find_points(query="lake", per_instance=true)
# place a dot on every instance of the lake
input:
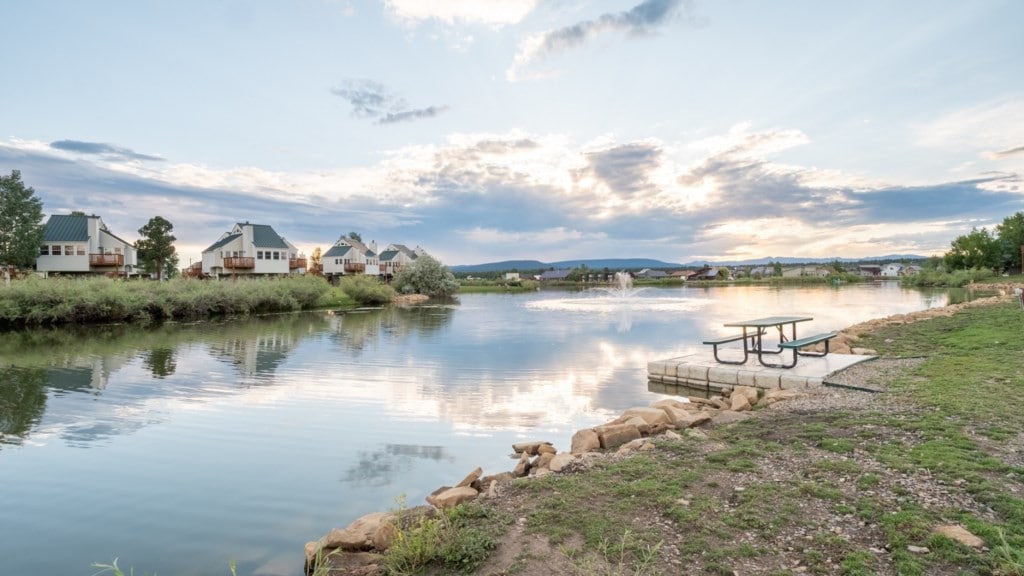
(184, 447)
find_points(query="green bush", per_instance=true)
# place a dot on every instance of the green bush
(366, 290)
(48, 301)
(428, 276)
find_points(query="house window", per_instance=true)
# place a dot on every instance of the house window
(56, 250)
(277, 255)
(259, 254)
(69, 250)
(80, 250)
(44, 250)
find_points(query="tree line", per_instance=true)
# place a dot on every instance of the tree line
(21, 231)
(999, 249)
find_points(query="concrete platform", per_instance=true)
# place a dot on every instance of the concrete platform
(701, 372)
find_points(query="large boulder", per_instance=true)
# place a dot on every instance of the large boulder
(451, 497)
(358, 535)
(650, 415)
(585, 440)
(615, 435)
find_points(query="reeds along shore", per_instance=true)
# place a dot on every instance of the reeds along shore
(56, 301)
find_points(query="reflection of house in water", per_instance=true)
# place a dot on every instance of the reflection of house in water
(256, 356)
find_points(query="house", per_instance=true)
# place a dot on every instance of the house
(892, 270)
(801, 271)
(513, 276)
(350, 256)
(869, 270)
(251, 250)
(80, 244)
(651, 274)
(397, 256)
(554, 274)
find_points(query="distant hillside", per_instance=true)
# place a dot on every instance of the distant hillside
(641, 263)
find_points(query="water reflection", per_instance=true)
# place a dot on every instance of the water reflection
(235, 434)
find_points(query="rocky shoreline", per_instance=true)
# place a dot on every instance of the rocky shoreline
(357, 549)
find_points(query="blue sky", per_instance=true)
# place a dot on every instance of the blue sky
(488, 130)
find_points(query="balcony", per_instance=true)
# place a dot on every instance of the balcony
(294, 263)
(355, 268)
(239, 262)
(106, 259)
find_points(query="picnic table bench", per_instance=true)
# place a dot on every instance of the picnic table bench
(756, 346)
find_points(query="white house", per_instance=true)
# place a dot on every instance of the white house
(395, 257)
(350, 256)
(252, 249)
(892, 270)
(80, 244)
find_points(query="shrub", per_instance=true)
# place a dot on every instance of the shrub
(426, 275)
(366, 290)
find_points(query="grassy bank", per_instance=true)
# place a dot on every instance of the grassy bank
(54, 301)
(854, 490)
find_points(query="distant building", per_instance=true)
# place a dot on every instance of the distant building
(554, 274)
(252, 250)
(350, 256)
(80, 244)
(397, 256)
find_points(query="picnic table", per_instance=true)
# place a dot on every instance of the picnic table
(752, 336)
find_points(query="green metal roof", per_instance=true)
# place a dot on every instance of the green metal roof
(263, 236)
(336, 251)
(388, 255)
(66, 228)
(222, 242)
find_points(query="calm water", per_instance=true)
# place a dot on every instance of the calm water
(182, 448)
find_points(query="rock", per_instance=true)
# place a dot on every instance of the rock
(615, 435)
(546, 448)
(348, 563)
(961, 535)
(864, 351)
(358, 535)
(452, 497)
(473, 477)
(641, 425)
(749, 391)
(672, 435)
(560, 461)
(528, 447)
(584, 441)
(499, 478)
(650, 416)
(523, 466)
(917, 549)
(728, 417)
(542, 461)
(634, 446)
(739, 403)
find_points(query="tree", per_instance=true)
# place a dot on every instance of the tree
(1011, 240)
(979, 249)
(777, 269)
(316, 256)
(21, 217)
(156, 247)
(426, 275)
(355, 236)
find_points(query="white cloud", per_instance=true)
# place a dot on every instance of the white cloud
(992, 127)
(551, 236)
(496, 13)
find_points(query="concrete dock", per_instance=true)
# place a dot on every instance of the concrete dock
(701, 372)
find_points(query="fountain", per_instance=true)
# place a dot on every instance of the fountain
(618, 297)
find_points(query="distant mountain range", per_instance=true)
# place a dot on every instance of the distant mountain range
(641, 263)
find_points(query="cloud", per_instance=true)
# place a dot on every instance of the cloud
(371, 99)
(101, 149)
(496, 13)
(640, 20)
(1010, 152)
(485, 197)
(408, 115)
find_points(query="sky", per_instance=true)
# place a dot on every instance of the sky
(490, 130)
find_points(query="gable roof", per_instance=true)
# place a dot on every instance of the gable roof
(264, 236)
(66, 228)
(336, 250)
(388, 255)
(222, 242)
